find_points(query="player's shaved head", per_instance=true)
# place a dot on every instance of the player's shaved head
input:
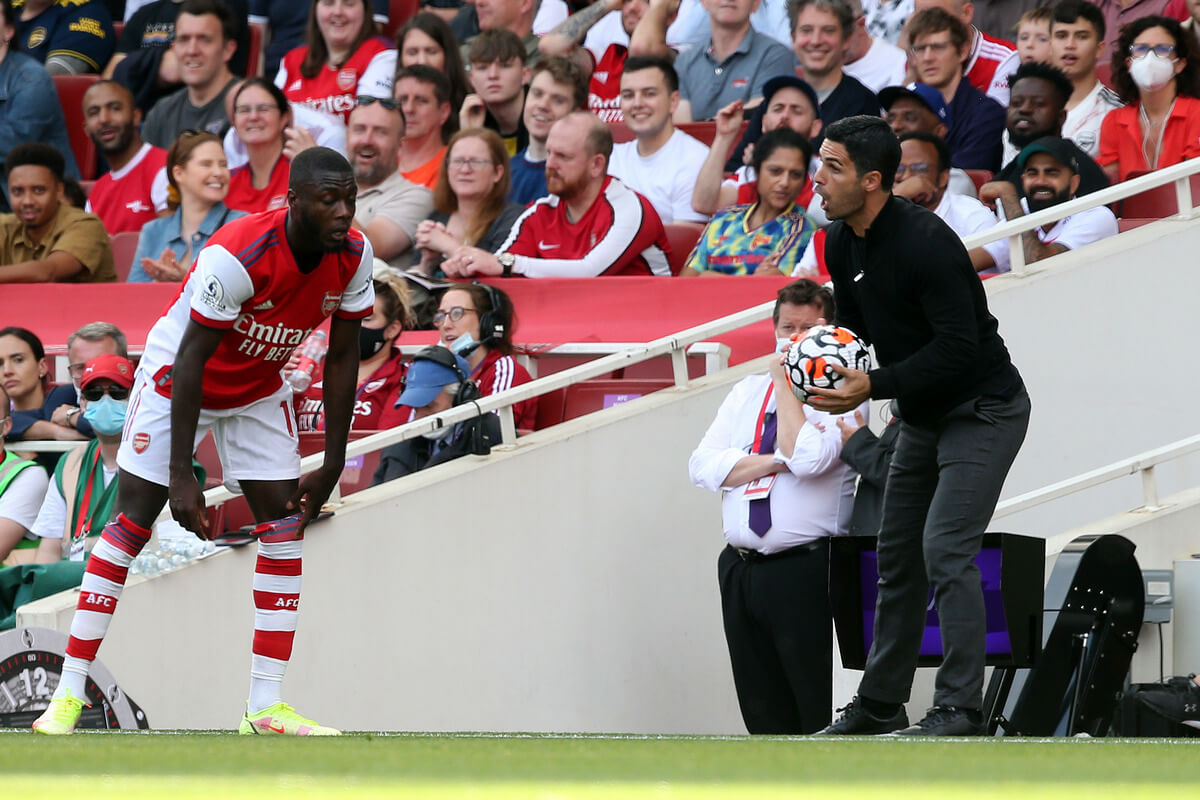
(316, 164)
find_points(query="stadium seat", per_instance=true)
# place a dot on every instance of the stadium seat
(550, 409)
(682, 236)
(1129, 223)
(979, 176)
(118, 27)
(1104, 72)
(1156, 203)
(595, 395)
(124, 245)
(620, 132)
(399, 12)
(70, 89)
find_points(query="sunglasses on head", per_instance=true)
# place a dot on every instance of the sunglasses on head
(386, 102)
(93, 393)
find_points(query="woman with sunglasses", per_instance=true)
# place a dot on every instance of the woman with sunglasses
(79, 500)
(33, 399)
(381, 366)
(261, 117)
(470, 199)
(1159, 126)
(477, 321)
(342, 58)
(198, 183)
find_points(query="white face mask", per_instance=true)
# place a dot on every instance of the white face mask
(1152, 72)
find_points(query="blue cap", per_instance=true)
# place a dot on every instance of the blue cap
(791, 81)
(923, 93)
(426, 378)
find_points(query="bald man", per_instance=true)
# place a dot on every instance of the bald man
(134, 190)
(591, 224)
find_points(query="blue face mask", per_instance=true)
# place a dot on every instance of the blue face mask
(106, 415)
(464, 345)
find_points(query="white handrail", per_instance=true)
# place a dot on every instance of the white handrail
(1179, 174)
(1143, 463)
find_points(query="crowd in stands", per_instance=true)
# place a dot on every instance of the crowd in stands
(553, 139)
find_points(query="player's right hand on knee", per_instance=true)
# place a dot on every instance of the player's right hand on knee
(187, 505)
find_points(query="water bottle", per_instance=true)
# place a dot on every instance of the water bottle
(312, 353)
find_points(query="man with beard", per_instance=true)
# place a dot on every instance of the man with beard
(904, 283)
(389, 206)
(1037, 107)
(591, 224)
(1049, 170)
(134, 189)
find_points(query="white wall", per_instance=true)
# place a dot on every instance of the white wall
(569, 584)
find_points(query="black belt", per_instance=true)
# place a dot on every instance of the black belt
(755, 557)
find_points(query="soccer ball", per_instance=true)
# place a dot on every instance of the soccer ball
(809, 361)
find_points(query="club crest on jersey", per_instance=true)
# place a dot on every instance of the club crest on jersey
(140, 442)
(330, 302)
(373, 386)
(347, 79)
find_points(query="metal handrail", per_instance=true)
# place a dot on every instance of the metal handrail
(1143, 463)
(1179, 174)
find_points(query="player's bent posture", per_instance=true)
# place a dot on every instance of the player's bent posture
(213, 361)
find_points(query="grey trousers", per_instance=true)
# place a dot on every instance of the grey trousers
(941, 492)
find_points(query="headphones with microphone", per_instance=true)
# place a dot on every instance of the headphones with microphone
(467, 390)
(492, 324)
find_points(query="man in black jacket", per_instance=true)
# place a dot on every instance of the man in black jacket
(904, 282)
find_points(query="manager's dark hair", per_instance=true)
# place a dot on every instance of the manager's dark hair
(938, 143)
(1048, 73)
(804, 292)
(36, 154)
(314, 163)
(780, 137)
(871, 145)
(663, 65)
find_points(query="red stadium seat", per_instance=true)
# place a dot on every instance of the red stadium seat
(595, 395)
(550, 409)
(1156, 203)
(1104, 72)
(118, 27)
(620, 132)
(682, 236)
(399, 12)
(1129, 223)
(254, 56)
(70, 89)
(124, 245)
(979, 176)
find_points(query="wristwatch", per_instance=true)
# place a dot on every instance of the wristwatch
(506, 261)
(71, 414)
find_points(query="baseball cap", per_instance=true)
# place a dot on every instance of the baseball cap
(426, 378)
(1056, 147)
(923, 93)
(117, 369)
(790, 81)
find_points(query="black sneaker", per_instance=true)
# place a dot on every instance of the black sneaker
(1178, 701)
(857, 721)
(946, 721)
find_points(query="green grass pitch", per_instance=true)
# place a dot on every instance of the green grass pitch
(180, 766)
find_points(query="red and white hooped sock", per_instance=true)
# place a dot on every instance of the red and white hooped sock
(99, 592)
(276, 610)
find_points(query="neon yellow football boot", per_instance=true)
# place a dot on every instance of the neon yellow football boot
(61, 716)
(282, 719)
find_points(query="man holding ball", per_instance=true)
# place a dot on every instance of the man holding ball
(904, 282)
(784, 492)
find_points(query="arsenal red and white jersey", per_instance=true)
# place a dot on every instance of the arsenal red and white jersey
(604, 89)
(497, 373)
(989, 64)
(621, 234)
(128, 198)
(369, 71)
(247, 283)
